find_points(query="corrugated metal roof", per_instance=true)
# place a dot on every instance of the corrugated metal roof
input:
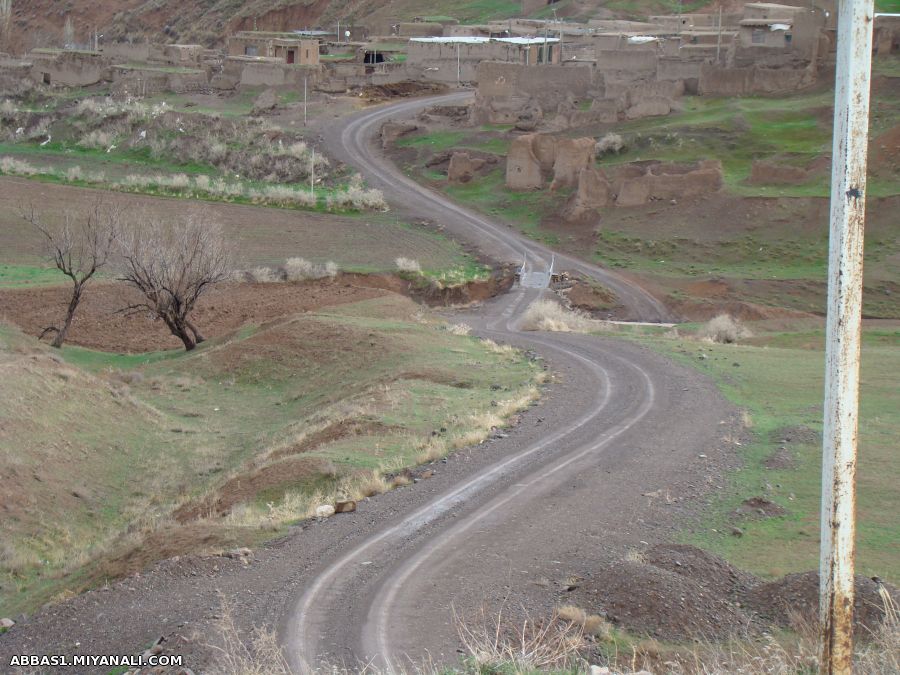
(476, 40)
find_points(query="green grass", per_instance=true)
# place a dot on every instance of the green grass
(28, 276)
(521, 209)
(887, 6)
(436, 141)
(780, 382)
(188, 422)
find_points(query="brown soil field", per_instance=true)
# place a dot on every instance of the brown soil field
(261, 236)
(99, 325)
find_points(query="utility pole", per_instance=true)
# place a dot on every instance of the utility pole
(845, 279)
(312, 172)
(719, 36)
(458, 67)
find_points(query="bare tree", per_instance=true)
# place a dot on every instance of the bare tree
(6, 12)
(172, 265)
(78, 249)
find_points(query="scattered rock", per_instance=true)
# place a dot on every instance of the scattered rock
(757, 507)
(345, 507)
(324, 511)
(7, 623)
(265, 102)
(239, 553)
(428, 473)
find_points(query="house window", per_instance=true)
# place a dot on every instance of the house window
(46, 78)
(759, 36)
(787, 38)
(251, 50)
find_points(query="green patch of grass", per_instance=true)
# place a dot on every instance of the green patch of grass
(437, 141)
(781, 386)
(887, 6)
(26, 276)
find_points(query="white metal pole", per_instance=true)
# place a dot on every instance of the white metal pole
(312, 172)
(845, 279)
(305, 101)
(719, 37)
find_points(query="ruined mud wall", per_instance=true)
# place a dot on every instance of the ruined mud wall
(718, 81)
(504, 89)
(70, 69)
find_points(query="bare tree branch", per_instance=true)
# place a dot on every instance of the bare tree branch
(78, 249)
(172, 265)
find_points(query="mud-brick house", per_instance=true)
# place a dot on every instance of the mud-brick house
(288, 48)
(452, 59)
(68, 67)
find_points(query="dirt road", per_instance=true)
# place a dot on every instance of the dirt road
(575, 488)
(351, 141)
(617, 456)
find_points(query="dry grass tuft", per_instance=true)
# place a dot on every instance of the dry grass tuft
(500, 645)
(263, 656)
(551, 316)
(408, 265)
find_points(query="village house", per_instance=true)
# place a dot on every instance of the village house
(288, 48)
(456, 59)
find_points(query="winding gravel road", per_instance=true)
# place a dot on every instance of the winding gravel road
(505, 524)
(625, 424)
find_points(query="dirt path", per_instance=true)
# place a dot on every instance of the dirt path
(576, 489)
(502, 523)
(351, 141)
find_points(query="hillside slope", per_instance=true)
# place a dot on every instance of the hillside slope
(41, 22)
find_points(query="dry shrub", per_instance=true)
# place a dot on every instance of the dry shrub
(408, 265)
(551, 316)
(10, 165)
(497, 644)
(367, 485)
(265, 275)
(263, 656)
(459, 329)
(724, 329)
(73, 173)
(609, 143)
(300, 269)
(97, 139)
(356, 198)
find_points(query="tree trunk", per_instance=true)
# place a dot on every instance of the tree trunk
(70, 315)
(180, 330)
(198, 337)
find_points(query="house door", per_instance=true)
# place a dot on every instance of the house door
(291, 54)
